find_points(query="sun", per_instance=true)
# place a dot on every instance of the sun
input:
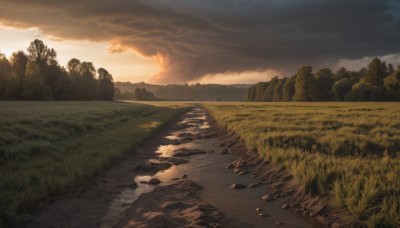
(7, 52)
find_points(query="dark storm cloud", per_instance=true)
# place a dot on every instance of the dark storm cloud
(194, 38)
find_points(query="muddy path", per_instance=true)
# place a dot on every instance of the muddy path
(181, 177)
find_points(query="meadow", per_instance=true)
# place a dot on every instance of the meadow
(49, 148)
(347, 151)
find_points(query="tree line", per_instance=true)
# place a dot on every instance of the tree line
(193, 92)
(37, 75)
(376, 82)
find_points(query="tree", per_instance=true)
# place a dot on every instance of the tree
(305, 87)
(142, 94)
(342, 88)
(35, 88)
(288, 89)
(251, 94)
(5, 73)
(278, 90)
(269, 91)
(89, 85)
(38, 52)
(106, 85)
(376, 72)
(341, 73)
(390, 69)
(324, 79)
(19, 60)
(393, 81)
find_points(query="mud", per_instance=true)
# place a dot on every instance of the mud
(190, 186)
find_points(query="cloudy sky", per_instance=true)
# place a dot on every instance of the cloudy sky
(223, 41)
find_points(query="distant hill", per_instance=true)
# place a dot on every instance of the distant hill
(185, 92)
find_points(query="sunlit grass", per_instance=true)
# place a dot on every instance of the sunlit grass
(348, 151)
(47, 148)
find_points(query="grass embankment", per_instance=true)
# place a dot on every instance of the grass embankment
(348, 151)
(47, 148)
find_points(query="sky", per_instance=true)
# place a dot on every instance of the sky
(207, 41)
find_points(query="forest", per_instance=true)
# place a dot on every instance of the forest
(376, 82)
(193, 92)
(37, 75)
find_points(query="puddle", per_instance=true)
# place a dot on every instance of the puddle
(209, 170)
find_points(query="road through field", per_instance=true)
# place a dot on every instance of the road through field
(179, 178)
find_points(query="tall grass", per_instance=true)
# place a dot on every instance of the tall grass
(348, 151)
(47, 148)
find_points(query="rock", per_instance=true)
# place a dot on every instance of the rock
(209, 135)
(224, 151)
(154, 181)
(267, 198)
(254, 185)
(237, 186)
(175, 161)
(258, 209)
(174, 205)
(237, 171)
(279, 223)
(184, 134)
(161, 165)
(263, 214)
(243, 173)
(134, 185)
(230, 166)
(285, 206)
(183, 152)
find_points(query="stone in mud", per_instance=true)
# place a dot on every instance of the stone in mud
(279, 223)
(258, 209)
(184, 134)
(152, 181)
(157, 219)
(175, 161)
(237, 186)
(174, 205)
(230, 166)
(263, 214)
(209, 135)
(254, 185)
(285, 206)
(224, 151)
(183, 152)
(267, 198)
(134, 185)
(161, 165)
(243, 172)
(237, 171)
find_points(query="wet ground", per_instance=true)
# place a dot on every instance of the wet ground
(209, 170)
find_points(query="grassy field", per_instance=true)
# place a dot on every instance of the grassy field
(47, 148)
(349, 151)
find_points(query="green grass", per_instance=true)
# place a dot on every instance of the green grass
(347, 151)
(47, 148)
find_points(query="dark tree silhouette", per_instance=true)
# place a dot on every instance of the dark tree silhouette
(106, 85)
